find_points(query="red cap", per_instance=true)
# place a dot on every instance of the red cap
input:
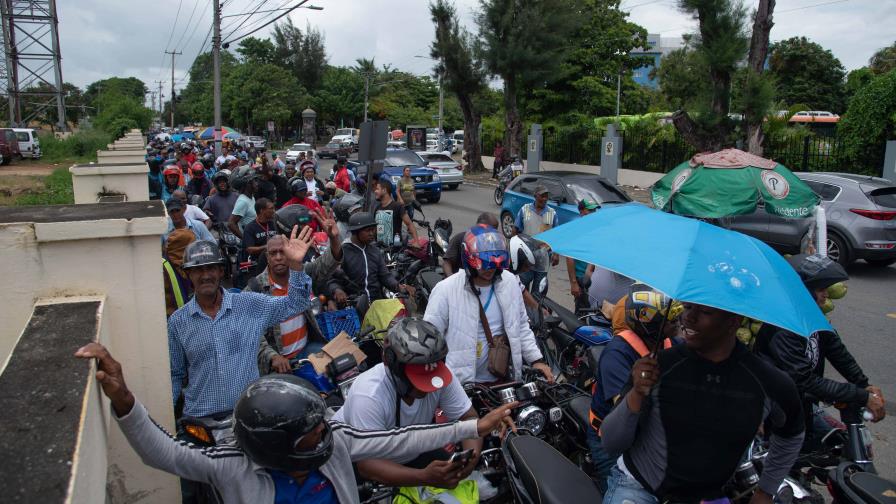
(428, 377)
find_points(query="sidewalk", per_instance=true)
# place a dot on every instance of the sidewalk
(485, 179)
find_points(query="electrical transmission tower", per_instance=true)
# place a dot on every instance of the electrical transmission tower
(32, 62)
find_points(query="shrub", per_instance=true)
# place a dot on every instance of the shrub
(57, 190)
(81, 146)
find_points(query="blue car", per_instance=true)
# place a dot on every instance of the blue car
(427, 183)
(565, 190)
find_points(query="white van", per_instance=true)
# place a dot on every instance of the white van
(29, 145)
(458, 137)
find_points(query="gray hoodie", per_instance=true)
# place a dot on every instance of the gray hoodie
(239, 480)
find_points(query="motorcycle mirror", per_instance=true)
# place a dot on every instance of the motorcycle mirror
(543, 287)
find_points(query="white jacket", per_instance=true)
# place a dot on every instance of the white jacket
(454, 309)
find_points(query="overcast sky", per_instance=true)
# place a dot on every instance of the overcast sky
(104, 38)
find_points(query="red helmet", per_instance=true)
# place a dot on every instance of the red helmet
(484, 249)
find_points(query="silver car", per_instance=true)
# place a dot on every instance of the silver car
(861, 217)
(449, 170)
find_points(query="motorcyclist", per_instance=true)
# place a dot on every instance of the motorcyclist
(171, 181)
(407, 388)
(344, 208)
(298, 187)
(484, 293)
(803, 359)
(286, 451)
(645, 310)
(199, 185)
(219, 205)
(363, 271)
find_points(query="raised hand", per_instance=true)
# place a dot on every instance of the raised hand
(299, 244)
(110, 376)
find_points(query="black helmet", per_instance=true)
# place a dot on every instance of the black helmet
(222, 174)
(272, 416)
(202, 253)
(817, 271)
(240, 182)
(361, 220)
(292, 215)
(346, 206)
(644, 311)
(414, 351)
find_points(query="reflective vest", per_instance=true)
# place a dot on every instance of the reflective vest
(638, 346)
(177, 283)
(534, 223)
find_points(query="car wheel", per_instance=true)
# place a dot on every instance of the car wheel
(507, 224)
(453, 187)
(880, 263)
(434, 198)
(838, 250)
(499, 195)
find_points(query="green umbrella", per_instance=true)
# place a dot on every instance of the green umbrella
(731, 182)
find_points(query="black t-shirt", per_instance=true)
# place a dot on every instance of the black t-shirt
(256, 235)
(455, 251)
(266, 189)
(388, 222)
(282, 190)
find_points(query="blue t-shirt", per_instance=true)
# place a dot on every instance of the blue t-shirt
(245, 210)
(316, 489)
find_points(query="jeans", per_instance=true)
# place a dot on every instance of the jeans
(623, 489)
(601, 460)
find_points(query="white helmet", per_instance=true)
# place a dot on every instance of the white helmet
(520, 253)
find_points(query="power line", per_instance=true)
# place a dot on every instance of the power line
(187, 27)
(170, 36)
(245, 17)
(811, 6)
(642, 4)
(301, 3)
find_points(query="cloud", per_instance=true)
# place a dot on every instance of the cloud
(101, 38)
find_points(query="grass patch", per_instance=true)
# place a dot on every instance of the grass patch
(80, 147)
(54, 189)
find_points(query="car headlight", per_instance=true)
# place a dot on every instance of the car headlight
(533, 419)
(436, 178)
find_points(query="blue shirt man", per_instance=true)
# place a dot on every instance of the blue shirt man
(177, 220)
(213, 339)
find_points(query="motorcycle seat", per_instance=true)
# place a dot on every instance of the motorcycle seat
(430, 279)
(580, 408)
(568, 318)
(548, 476)
(873, 488)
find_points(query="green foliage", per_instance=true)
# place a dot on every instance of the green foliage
(257, 51)
(302, 54)
(871, 118)
(49, 116)
(196, 99)
(131, 87)
(255, 94)
(57, 191)
(340, 99)
(120, 113)
(856, 80)
(883, 60)
(683, 79)
(807, 73)
(80, 146)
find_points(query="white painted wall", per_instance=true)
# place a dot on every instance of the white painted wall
(135, 156)
(118, 259)
(90, 179)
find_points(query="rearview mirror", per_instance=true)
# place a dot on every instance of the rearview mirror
(543, 287)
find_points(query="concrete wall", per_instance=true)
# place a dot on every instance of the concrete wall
(634, 178)
(116, 258)
(130, 179)
(121, 156)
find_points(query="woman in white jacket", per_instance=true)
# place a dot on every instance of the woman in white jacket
(453, 307)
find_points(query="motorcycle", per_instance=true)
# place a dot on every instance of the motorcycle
(425, 272)
(505, 177)
(527, 465)
(230, 248)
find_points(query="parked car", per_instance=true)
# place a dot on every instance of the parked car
(29, 145)
(565, 189)
(427, 181)
(450, 171)
(334, 150)
(397, 144)
(861, 219)
(255, 141)
(292, 154)
(346, 136)
(9, 145)
(432, 145)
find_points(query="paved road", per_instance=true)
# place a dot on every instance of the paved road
(866, 317)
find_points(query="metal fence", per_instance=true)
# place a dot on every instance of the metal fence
(822, 153)
(648, 153)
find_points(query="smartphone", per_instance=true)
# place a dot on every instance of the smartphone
(462, 456)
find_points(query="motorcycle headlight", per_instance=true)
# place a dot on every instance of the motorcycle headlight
(533, 419)
(440, 241)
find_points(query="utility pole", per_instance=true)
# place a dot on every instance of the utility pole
(173, 54)
(152, 97)
(216, 63)
(366, 89)
(160, 99)
(441, 104)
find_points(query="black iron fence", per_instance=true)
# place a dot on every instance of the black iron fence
(660, 153)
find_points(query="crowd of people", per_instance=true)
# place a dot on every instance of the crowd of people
(667, 426)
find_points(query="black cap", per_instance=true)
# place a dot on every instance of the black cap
(174, 204)
(361, 220)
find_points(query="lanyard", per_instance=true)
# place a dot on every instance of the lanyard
(489, 300)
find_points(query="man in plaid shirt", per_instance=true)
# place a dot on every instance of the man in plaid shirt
(213, 339)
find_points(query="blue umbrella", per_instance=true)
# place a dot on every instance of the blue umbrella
(692, 261)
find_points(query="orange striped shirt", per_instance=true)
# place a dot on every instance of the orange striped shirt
(293, 331)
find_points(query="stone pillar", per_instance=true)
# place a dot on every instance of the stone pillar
(534, 149)
(309, 118)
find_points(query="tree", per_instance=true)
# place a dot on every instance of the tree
(720, 45)
(856, 80)
(257, 51)
(682, 77)
(524, 43)
(255, 94)
(196, 98)
(462, 73)
(126, 86)
(120, 113)
(601, 49)
(807, 73)
(49, 115)
(883, 60)
(303, 54)
(758, 93)
(340, 98)
(870, 120)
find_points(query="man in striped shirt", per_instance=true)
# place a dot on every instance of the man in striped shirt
(299, 335)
